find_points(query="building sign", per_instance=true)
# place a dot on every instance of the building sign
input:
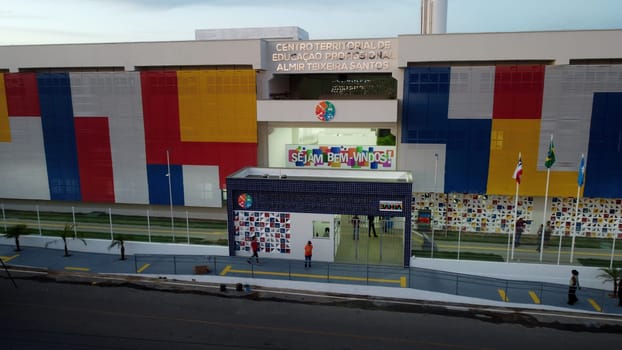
(341, 157)
(391, 206)
(338, 56)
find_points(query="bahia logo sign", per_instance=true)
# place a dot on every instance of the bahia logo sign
(245, 200)
(325, 111)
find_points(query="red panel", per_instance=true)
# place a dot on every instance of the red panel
(22, 94)
(94, 159)
(161, 118)
(518, 92)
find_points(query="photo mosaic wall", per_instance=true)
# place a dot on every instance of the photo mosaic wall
(598, 217)
(273, 231)
(474, 213)
(479, 213)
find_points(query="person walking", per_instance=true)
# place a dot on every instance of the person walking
(520, 228)
(371, 226)
(255, 250)
(308, 254)
(572, 287)
(546, 231)
(356, 224)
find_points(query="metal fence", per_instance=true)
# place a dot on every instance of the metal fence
(536, 293)
(107, 223)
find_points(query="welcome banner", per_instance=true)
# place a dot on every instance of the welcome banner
(341, 157)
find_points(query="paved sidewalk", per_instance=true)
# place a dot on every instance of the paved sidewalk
(444, 286)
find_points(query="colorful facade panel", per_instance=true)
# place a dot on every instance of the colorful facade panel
(604, 159)
(22, 94)
(117, 96)
(471, 92)
(511, 137)
(425, 120)
(95, 162)
(162, 131)
(59, 136)
(5, 130)
(518, 92)
(24, 170)
(104, 137)
(201, 186)
(530, 103)
(217, 106)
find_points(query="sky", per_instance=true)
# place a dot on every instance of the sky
(98, 21)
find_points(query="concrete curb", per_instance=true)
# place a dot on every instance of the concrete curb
(557, 318)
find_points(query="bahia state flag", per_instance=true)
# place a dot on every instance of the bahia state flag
(518, 172)
(581, 177)
(550, 157)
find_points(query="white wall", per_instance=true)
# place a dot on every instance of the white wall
(516, 271)
(101, 246)
(419, 159)
(302, 228)
(130, 55)
(346, 111)
(558, 46)
(277, 139)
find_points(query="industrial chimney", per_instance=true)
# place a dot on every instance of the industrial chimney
(433, 16)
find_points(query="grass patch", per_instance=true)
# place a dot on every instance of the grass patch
(135, 237)
(463, 255)
(599, 262)
(526, 239)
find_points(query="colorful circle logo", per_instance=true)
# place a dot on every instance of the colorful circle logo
(245, 200)
(325, 111)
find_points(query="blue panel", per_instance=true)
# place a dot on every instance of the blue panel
(426, 104)
(158, 184)
(59, 136)
(467, 156)
(604, 162)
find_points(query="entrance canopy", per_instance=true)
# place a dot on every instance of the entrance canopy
(322, 191)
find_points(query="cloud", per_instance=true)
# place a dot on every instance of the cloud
(353, 5)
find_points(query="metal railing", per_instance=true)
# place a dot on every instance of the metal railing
(495, 289)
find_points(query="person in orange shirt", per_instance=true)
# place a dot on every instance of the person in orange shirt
(308, 254)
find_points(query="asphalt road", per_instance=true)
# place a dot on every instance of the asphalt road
(47, 315)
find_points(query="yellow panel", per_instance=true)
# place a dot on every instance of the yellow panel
(508, 138)
(217, 106)
(5, 129)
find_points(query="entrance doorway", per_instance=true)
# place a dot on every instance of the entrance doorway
(384, 248)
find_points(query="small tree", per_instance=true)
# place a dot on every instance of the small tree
(15, 232)
(66, 233)
(611, 274)
(119, 241)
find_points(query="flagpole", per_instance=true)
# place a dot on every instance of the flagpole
(517, 174)
(544, 226)
(576, 222)
(515, 219)
(580, 179)
(546, 198)
(613, 250)
(559, 250)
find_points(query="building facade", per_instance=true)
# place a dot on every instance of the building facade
(166, 122)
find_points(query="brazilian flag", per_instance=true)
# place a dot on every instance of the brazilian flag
(550, 157)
